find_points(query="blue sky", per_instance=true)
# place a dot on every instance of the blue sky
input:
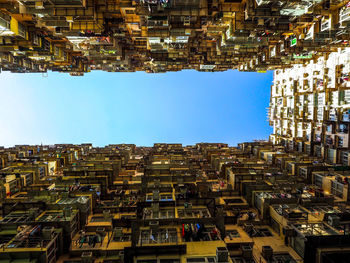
(103, 108)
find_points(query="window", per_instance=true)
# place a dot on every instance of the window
(337, 189)
(318, 180)
(329, 128)
(265, 232)
(275, 226)
(163, 260)
(283, 258)
(325, 24)
(343, 128)
(332, 155)
(193, 213)
(169, 261)
(168, 235)
(41, 172)
(308, 148)
(129, 11)
(303, 172)
(162, 213)
(310, 33)
(121, 237)
(21, 30)
(201, 259)
(46, 44)
(196, 260)
(35, 39)
(166, 197)
(298, 244)
(340, 141)
(232, 234)
(344, 14)
(318, 151)
(4, 24)
(344, 158)
(56, 51)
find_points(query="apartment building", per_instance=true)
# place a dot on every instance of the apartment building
(156, 36)
(258, 202)
(309, 107)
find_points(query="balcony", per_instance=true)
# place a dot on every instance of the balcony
(151, 213)
(158, 236)
(193, 213)
(344, 13)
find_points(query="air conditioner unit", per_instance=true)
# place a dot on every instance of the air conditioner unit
(69, 19)
(22, 9)
(221, 254)
(267, 252)
(247, 251)
(106, 214)
(39, 5)
(118, 231)
(187, 21)
(334, 220)
(67, 212)
(47, 232)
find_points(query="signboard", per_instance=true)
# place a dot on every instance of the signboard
(310, 33)
(207, 66)
(304, 56)
(293, 42)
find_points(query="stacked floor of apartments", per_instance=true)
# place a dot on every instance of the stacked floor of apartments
(285, 200)
(310, 107)
(258, 202)
(78, 36)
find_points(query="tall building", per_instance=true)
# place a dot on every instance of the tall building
(282, 200)
(258, 202)
(78, 36)
(310, 106)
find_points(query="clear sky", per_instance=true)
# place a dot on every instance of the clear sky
(104, 108)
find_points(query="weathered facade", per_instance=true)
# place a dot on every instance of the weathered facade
(170, 203)
(78, 36)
